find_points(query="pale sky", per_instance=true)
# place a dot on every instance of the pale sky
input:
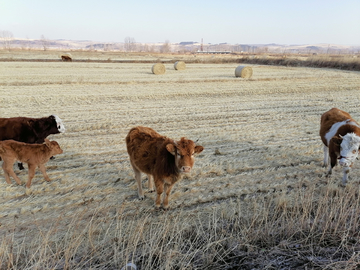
(232, 21)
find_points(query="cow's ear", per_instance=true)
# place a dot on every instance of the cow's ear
(48, 143)
(336, 140)
(171, 148)
(198, 149)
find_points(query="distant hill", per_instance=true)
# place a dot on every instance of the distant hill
(190, 46)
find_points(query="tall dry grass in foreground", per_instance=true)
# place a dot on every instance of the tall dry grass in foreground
(317, 227)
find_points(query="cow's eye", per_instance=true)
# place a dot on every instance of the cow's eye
(354, 151)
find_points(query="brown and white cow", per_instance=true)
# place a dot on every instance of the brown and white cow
(341, 137)
(35, 155)
(161, 158)
(30, 130)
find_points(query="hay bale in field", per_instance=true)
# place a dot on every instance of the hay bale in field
(158, 69)
(179, 65)
(66, 57)
(243, 72)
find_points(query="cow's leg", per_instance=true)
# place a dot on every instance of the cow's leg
(333, 162)
(8, 169)
(326, 156)
(159, 184)
(346, 171)
(329, 172)
(31, 174)
(43, 170)
(138, 180)
(150, 183)
(6, 172)
(20, 166)
(167, 195)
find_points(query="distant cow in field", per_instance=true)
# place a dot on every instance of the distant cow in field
(66, 58)
(341, 137)
(35, 155)
(161, 158)
(30, 130)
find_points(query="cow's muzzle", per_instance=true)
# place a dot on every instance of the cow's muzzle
(185, 169)
(344, 161)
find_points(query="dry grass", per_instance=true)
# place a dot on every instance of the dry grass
(337, 61)
(318, 61)
(257, 197)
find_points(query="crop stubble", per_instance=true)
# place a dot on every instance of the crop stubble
(260, 135)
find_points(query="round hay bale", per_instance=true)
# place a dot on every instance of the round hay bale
(243, 72)
(179, 65)
(158, 69)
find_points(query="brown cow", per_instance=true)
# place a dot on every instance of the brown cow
(66, 58)
(341, 137)
(161, 158)
(30, 130)
(35, 155)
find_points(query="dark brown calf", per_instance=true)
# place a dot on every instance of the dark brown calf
(161, 158)
(35, 155)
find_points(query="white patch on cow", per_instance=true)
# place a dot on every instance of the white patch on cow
(349, 149)
(59, 124)
(334, 128)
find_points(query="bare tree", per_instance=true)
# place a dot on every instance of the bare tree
(44, 42)
(129, 44)
(7, 38)
(165, 48)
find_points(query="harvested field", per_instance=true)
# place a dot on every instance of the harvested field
(262, 153)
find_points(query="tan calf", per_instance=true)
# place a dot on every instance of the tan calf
(161, 158)
(35, 155)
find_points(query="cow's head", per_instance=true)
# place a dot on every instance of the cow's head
(349, 148)
(59, 124)
(184, 152)
(54, 147)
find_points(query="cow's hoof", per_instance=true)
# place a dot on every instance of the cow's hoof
(21, 167)
(141, 198)
(151, 190)
(342, 184)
